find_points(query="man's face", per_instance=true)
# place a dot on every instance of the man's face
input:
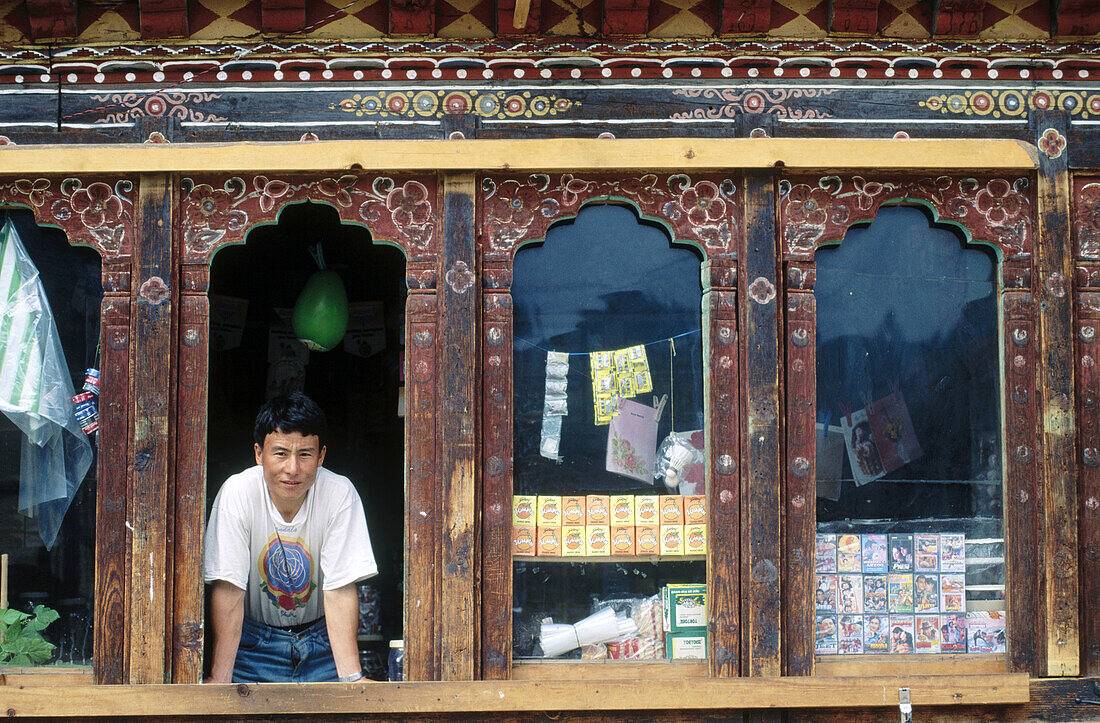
(290, 463)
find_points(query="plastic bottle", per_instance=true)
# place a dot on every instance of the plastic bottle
(396, 663)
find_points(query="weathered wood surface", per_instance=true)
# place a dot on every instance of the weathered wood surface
(1060, 641)
(458, 393)
(702, 694)
(761, 496)
(150, 383)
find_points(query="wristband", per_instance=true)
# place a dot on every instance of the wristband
(358, 675)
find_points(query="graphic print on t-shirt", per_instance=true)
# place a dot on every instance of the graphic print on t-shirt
(286, 572)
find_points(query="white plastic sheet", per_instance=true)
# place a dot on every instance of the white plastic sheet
(36, 392)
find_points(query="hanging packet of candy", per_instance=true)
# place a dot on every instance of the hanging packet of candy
(616, 375)
(555, 404)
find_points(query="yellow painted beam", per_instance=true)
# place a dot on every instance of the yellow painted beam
(547, 155)
(510, 696)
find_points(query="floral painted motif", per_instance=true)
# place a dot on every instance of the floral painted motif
(1013, 103)
(214, 214)
(171, 103)
(496, 105)
(1087, 219)
(521, 208)
(626, 458)
(97, 213)
(1052, 143)
(780, 102)
(818, 210)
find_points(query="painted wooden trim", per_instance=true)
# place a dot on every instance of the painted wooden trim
(513, 696)
(544, 155)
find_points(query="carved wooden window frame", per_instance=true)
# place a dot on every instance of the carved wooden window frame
(995, 210)
(703, 210)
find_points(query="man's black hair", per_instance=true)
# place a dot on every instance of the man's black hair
(287, 413)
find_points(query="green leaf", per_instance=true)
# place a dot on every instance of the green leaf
(43, 616)
(10, 616)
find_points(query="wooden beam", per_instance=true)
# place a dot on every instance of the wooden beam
(545, 155)
(412, 17)
(163, 19)
(853, 17)
(957, 17)
(458, 441)
(152, 302)
(282, 16)
(52, 19)
(702, 694)
(1074, 17)
(744, 16)
(625, 17)
(1056, 396)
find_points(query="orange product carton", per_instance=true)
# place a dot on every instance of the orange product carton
(598, 510)
(672, 510)
(524, 509)
(574, 510)
(598, 539)
(622, 509)
(695, 509)
(672, 539)
(647, 540)
(549, 511)
(695, 539)
(549, 542)
(622, 539)
(523, 541)
(573, 541)
(646, 510)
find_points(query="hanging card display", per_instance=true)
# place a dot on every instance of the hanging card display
(632, 441)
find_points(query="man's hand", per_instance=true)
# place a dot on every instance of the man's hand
(342, 621)
(227, 617)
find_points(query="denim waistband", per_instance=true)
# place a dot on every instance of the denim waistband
(290, 630)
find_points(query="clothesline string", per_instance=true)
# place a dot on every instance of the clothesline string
(586, 353)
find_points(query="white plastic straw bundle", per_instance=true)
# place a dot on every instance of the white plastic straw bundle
(599, 627)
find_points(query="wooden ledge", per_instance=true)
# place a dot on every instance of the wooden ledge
(509, 696)
(545, 155)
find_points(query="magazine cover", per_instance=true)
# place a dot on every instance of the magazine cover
(876, 634)
(874, 593)
(851, 594)
(953, 633)
(848, 556)
(900, 593)
(825, 637)
(901, 553)
(825, 593)
(863, 453)
(825, 553)
(901, 634)
(928, 633)
(892, 430)
(874, 553)
(926, 593)
(952, 552)
(985, 632)
(953, 593)
(850, 640)
(927, 552)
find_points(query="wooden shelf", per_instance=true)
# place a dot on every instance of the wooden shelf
(613, 558)
(916, 663)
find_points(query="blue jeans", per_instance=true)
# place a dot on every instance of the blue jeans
(271, 655)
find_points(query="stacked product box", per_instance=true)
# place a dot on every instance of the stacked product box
(609, 525)
(684, 609)
(897, 593)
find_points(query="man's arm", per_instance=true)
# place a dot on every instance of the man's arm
(227, 613)
(342, 621)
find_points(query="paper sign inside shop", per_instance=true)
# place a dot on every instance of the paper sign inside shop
(632, 441)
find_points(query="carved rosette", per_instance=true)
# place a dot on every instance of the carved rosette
(216, 211)
(95, 212)
(704, 210)
(1086, 221)
(816, 210)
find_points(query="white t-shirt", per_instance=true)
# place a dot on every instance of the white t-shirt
(276, 562)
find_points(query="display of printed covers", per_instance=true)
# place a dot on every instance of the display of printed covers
(926, 593)
(953, 632)
(953, 593)
(825, 634)
(848, 557)
(901, 634)
(874, 553)
(874, 593)
(825, 553)
(901, 553)
(616, 375)
(900, 593)
(952, 552)
(863, 453)
(928, 633)
(851, 594)
(927, 548)
(985, 632)
(555, 404)
(876, 634)
(850, 635)
(825, 593)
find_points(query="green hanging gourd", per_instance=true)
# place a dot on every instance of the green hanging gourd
(321, 313)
